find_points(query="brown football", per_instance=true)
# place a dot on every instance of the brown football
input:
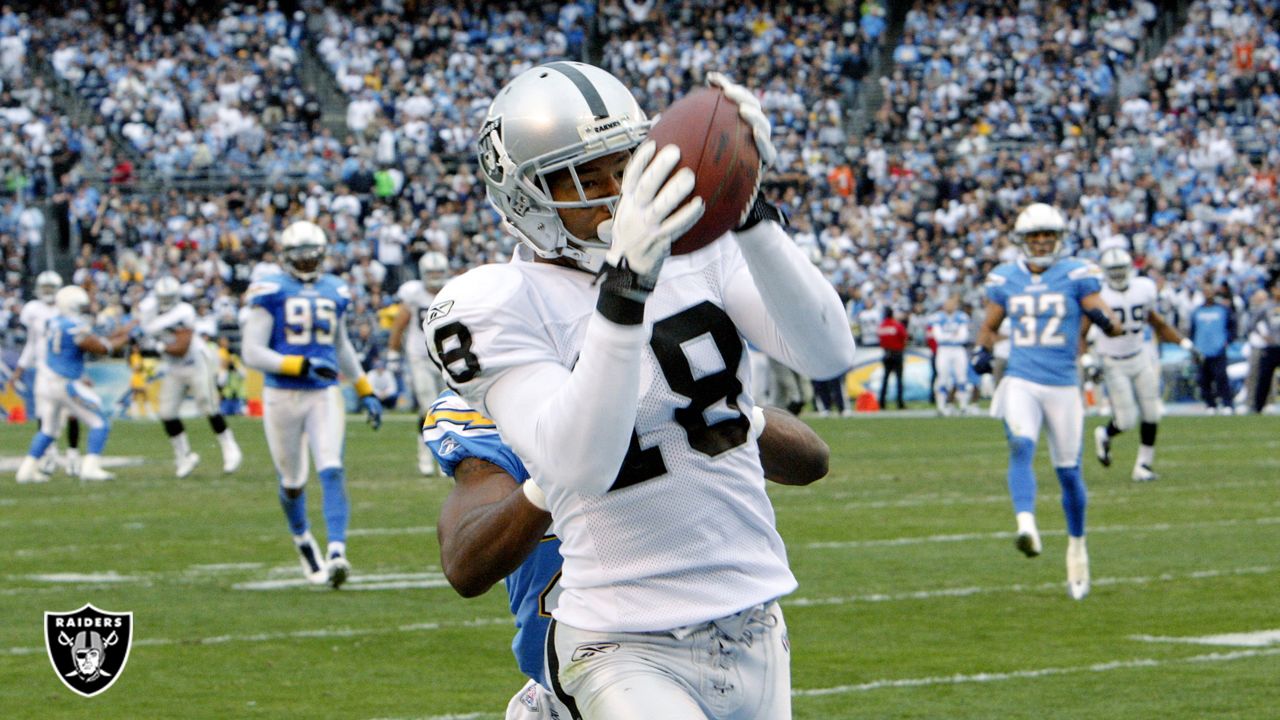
(717, 145)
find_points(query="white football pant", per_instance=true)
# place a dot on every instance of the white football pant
(57, 398)
(735, 668)
(953, 368)
(1134, 389)
(1025, 406)
(181, 378)
(294, 419)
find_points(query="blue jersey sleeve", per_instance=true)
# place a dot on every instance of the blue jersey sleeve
(1086, 279)
(455, 432)
(996, 288)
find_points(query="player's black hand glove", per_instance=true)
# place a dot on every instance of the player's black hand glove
(982, 361)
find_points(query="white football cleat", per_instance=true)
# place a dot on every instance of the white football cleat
(29, 471)
(1144, 473)
(71, 462)
(50, 462)
(313, 566)
(426, 461)
(1102, 445)
(339, 568)
(91, 470)
(1028, 540)
(1077, 568)
(231, 458)
(188, 464)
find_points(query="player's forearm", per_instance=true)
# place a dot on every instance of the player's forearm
(489, 542)
(575, 426)
(349, 363)
(27, 358)
(805, 308)
(256, 353)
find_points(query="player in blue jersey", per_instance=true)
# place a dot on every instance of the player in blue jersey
(1044, 295)
(492, 525)
(950, 329)
(296, 335)
(60, 392)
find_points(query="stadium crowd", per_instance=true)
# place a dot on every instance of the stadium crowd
(1170, 151)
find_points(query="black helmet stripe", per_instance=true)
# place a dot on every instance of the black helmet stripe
(589, 92)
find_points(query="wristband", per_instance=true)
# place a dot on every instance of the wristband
(1186, 344)
(761, 210)
(363, 386)
(534, 494)
(757, 421)
(1100, 319)
(293, 365)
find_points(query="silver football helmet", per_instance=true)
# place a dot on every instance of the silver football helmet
(47, 284)
(433, 269)
(302, 249)
(1039, 218)
(166, 291)
(1117, 265)
(554, 117)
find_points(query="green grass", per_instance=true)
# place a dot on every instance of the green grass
(913, 602)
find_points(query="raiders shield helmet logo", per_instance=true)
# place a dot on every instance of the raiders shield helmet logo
(88, 647)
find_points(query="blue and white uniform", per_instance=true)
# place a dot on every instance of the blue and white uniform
(1040, 385)
(951, 333)
(455, 432)
(289, 321)
(60, 392)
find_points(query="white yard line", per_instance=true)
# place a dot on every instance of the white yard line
(962, 678)
(1259, 638)
(963, 537)
(298, 634)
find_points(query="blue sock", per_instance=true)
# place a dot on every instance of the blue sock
(98, 439)
(295, 510)
(1022, 478)
(39, 444)
(334, 482)
(1074, 498)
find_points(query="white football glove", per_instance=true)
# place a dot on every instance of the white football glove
(647, 220)
(750, 111)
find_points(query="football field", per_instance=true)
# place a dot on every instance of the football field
(913, 602)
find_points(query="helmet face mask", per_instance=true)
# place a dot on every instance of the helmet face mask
(47, 284)
(550, 119)
(303, 250)
(1117, 265)
(1038, 233)
(166, 292)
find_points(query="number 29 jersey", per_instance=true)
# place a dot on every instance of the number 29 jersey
(305, 319)
(1044, 316)
(686, 533)
(1132, 306)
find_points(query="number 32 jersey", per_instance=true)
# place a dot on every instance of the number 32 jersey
(305, 319)
(1044, 316)
(686, 533)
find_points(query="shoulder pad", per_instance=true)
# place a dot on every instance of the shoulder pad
(1084, 270)
(262, 289)
(408, 290)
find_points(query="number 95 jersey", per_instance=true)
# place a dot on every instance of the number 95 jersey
(305, 319)
(687, 516)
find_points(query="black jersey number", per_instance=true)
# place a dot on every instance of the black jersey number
(453, 346)
(671, 336)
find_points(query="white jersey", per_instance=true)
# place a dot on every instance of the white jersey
(1132, 307)
(950, 329)
(686, 533)
(34, 317)
(163, 326)
(417, 299)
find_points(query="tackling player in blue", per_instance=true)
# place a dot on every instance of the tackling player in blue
(493, 524)
(295, 333)
(1044, 295)
(60, 392)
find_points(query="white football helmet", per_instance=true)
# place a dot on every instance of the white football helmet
(433, 269)
(47, 284)
(302, 250)
(1117, 265)
(554, 117)
(71, 301)
(1038, 218)
(166, 291)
